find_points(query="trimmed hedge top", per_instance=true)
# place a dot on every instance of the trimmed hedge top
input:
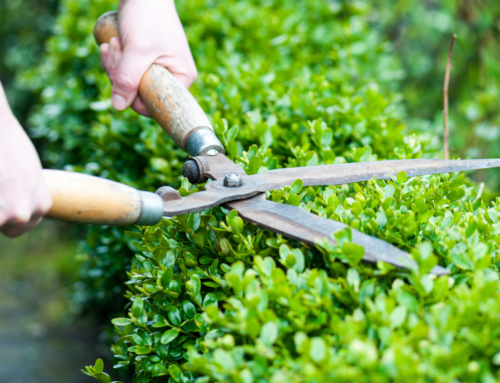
(212, 298)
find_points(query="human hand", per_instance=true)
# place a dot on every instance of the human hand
(24, 196)
(150, 32)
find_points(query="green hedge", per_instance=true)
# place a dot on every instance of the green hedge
(213, 298)
(24, 27)
(421, 31)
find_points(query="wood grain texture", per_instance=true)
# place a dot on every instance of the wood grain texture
(171, 105)
(86, 199)
(168, 101)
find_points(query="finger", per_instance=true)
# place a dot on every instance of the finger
(19, 214)
(44, 199)
(117, 52)
(140, 107)
(186, 79)
(110, 59)
(183, 68)
(13, 230)
(132, 67)
(103, 50)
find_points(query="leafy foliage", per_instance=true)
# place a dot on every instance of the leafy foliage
(210, 297)
(421, 32)
(248, 101)
(24, 26)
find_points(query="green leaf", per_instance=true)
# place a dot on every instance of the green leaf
(299, 263)
(318, 349)
(175, 372)
(169, 335)
(269, 333)
(99, 365)
(137, 307)
(142, 350)
(254, 165)
(194, 221)
(353, 279)
(209, 300)
(402, 178)
(166, 278)
(237, 225)
(327, 137)
(141, 337)
(232, 148)
(294, 199)
(120, 321)
(223, 359)
(159, 321)
(174, 316)
(232, 133)
(296, 187)
(398, 316)
(195, 280)
(189, 308)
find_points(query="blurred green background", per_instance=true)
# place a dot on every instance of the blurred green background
(43, 316)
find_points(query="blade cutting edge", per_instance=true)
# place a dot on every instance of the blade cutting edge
(295, 223)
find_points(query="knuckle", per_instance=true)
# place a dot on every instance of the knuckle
(125, 82)
(44, 206)
(193, 75)
(190, 75)
(19, 218)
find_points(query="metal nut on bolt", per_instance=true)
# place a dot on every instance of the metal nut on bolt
(233, 180)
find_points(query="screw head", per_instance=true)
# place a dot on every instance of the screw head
(232, 180)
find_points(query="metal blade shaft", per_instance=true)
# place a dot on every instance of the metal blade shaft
(363, 171)
(295, 223)
(216, 193)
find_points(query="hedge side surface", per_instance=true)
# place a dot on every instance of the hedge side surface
(214, 299)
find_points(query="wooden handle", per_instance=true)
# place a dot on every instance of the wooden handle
(168, 101)
(92, 200)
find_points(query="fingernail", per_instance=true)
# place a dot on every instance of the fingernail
(119, 103)
(111, 48)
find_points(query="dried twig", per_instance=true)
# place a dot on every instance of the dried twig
(445, 91)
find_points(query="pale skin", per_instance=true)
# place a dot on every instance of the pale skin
(24, 196)
(151, 32)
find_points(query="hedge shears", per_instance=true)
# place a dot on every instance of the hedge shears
(93, 200)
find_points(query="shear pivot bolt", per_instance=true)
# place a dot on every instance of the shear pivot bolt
(232, 180)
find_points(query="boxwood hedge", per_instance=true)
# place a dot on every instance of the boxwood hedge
(211, 298)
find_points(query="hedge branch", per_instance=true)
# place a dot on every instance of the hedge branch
(445, 91)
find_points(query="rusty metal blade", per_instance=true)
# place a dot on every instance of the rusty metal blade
(216, 193)
(207, 199)
(295, 223)
(363, 171)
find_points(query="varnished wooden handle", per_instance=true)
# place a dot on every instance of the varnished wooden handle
(86, 199)
(168, 101)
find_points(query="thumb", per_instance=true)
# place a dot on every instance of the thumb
(129, 73)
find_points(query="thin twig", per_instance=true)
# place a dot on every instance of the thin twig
(445, 91)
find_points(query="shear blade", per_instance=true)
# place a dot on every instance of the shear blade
(295, 223)
(216, 193)
(364, 171)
